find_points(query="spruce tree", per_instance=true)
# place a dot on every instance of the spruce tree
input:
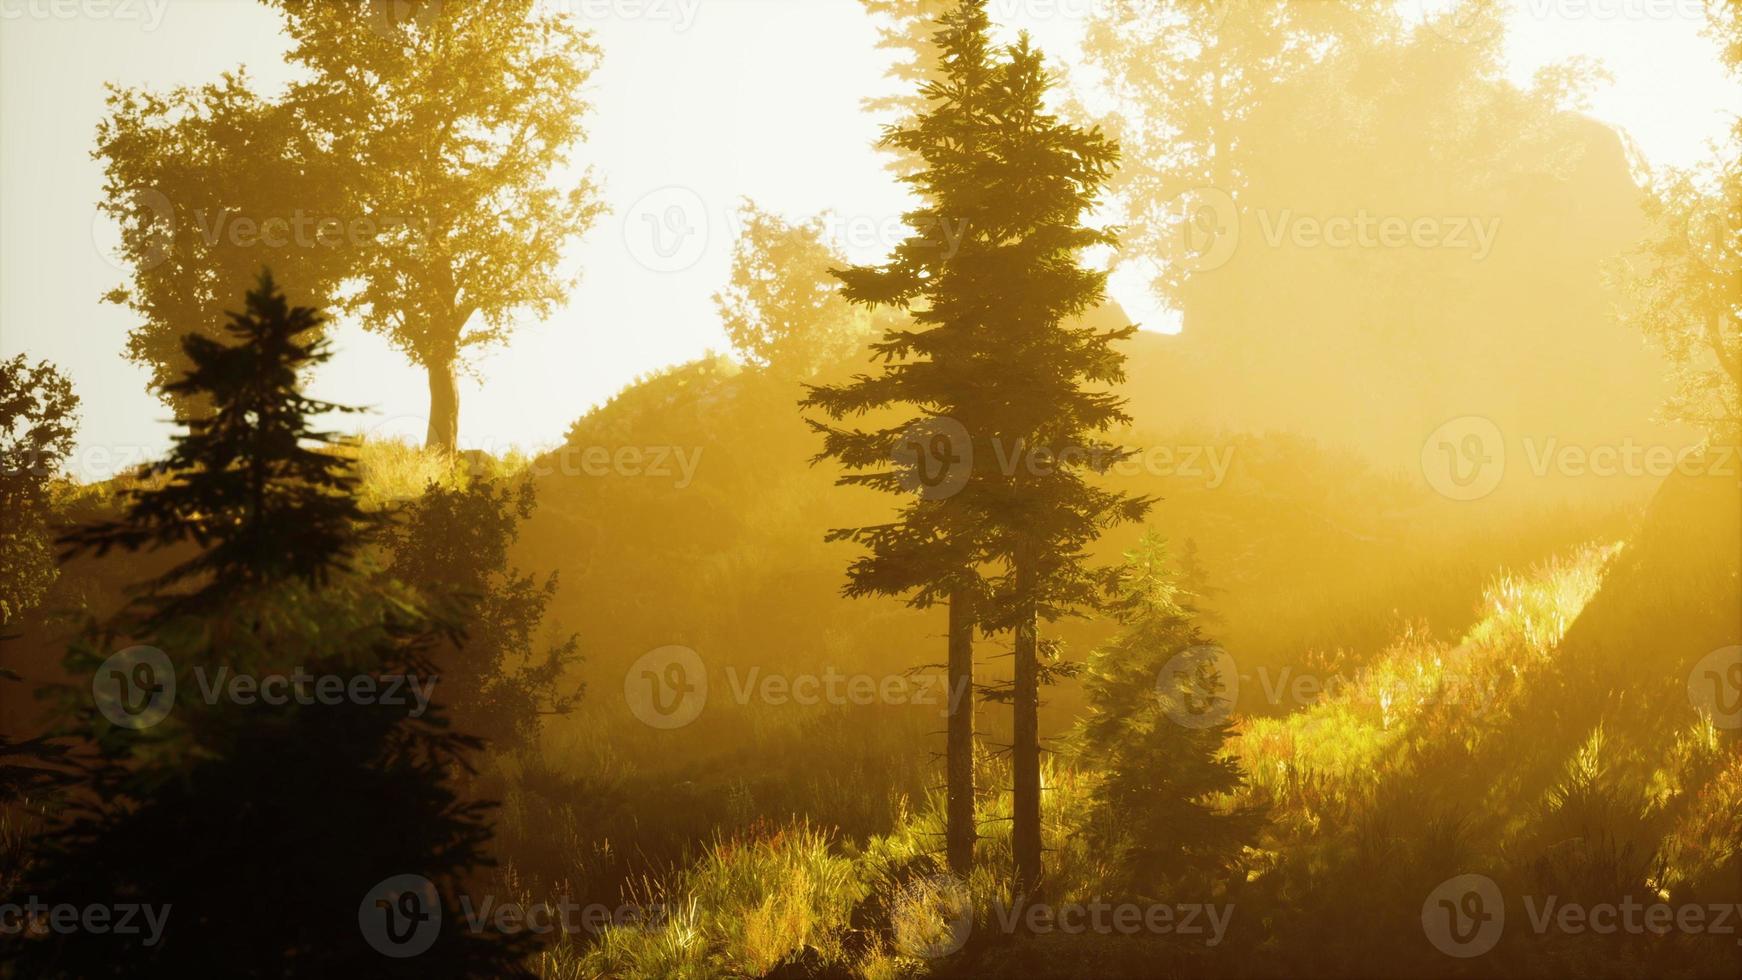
(250, 485)
(1003, 366)
(1155, 731)
(267, 831)
(929, 552)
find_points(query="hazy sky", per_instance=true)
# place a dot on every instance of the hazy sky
(698, 104)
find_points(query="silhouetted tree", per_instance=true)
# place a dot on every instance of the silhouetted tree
(207, 185)
(1686, 282)
(909, 28)
(929, 553)
(1155, 728)
(412, 175)
(1186, 78)
(453, 541)
(999, 360)
(266, 824)
(452, 122)
(782, 310)
(246, 483)
(38, 415)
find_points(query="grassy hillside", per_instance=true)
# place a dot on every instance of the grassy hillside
(1436, 759)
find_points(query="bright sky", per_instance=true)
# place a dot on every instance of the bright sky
(698, 104)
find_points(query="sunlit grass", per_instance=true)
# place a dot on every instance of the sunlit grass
(1337, 748)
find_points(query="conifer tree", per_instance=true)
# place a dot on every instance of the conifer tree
(1001, 363)
(1155, 730)
(929, 552)
(263, 823)
(247, 485)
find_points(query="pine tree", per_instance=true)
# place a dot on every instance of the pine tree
(266, 826)
(247, 485)
(999, 360)
(1156, 733)
(929, 552)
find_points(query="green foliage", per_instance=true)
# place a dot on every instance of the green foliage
(202, 182)
(38, 415)
(454, 541)
(407, 175)
(303, 802)
(449, 122)
(1159, 812)
(750, 904)
(245, 488)
(781, 308)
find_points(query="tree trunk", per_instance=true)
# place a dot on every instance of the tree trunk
(444, 408)
(1025, 741)
(960, 831)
